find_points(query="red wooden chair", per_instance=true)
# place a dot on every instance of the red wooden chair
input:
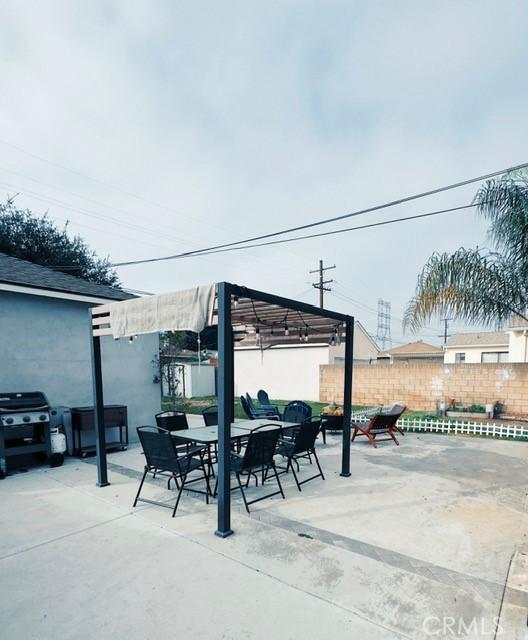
(381, 423)
(396, 412)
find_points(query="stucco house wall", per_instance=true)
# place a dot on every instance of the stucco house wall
(45, 346)
(473, 354)
(518, 345)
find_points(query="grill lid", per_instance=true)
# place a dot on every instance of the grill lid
(27, 400)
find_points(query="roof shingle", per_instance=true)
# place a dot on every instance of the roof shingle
(21, 272)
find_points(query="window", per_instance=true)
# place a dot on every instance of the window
(494, 356)
(460, 357)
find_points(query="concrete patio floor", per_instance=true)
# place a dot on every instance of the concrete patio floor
(417, 543)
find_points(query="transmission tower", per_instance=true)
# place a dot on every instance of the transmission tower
(384, 324)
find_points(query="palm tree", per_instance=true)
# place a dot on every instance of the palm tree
(481, 286)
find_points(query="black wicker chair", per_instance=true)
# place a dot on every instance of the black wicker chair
(257, 456)
(302, 446)
(297, 411)
(163, 458)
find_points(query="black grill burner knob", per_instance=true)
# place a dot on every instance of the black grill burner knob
(26, 418)
(42, 417)
(9, 420)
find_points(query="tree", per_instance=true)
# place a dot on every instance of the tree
(26, 236)
(481, 286)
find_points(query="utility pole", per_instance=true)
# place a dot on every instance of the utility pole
(446, 334)
(321, 284)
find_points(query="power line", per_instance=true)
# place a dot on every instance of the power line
(61, 204)
(385, 205)
(204, 252)
(109, 186)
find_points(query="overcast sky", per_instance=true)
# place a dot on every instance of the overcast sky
(205, 122)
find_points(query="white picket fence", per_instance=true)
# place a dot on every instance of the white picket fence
(465, 427)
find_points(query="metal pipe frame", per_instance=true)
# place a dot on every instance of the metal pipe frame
(100, 436)
(225, 292)
(225, 408)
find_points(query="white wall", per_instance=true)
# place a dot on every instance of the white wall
(286, 373)
(199, 380)
(473, 353)
(518, 346)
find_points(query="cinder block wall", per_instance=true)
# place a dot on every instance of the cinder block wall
(421, 386)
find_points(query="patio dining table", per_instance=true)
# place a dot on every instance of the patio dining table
(239, 429)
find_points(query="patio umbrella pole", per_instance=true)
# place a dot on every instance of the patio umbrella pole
(347, 396)
(225, 408)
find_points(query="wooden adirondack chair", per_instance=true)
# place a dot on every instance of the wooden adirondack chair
(379, 424)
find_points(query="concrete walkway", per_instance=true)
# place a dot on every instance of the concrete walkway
(418, 543)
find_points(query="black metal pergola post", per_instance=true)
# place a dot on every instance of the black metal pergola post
(347, 396)
(225, 408)
(100, 436)
(226, 292)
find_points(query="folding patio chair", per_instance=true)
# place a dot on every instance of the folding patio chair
(379, 424)
(162, 457)
(302, 445)
(172, 420)
(256, 456)
(210, 416)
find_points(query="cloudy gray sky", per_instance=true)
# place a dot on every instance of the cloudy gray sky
(157, 127)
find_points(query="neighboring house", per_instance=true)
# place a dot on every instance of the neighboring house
(45, 333)
(485, 346)
(518, 340)
(288, 369)
(490, 346)
(413, 352)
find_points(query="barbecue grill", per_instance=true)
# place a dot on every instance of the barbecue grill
(25, 427)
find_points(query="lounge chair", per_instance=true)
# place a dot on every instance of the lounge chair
(396, 410)
(377, 425)
(264, 401)
(252, 412)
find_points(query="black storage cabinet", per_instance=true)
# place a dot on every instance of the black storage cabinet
(83, 427)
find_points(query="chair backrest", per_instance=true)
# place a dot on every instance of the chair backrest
(397, 410)
(172, 420)
(297, 411)
(158, 447)
(261, 446)
(381, 421)
(332, 423)
(210, 416)
(263, 398)
(305, 437)
(246, 408)
(252, 406)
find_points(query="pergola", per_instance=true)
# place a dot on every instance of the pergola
(235, 309)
